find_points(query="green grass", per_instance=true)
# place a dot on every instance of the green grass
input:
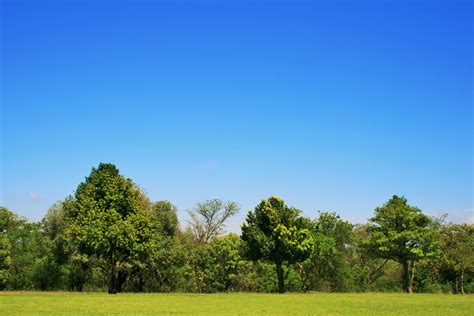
(61, 303)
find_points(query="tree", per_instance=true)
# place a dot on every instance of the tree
(29, 251)
(318, 265)
(208, 219)
(272, 233)
(110, 218)
(54, 226)
(155, 269)
(458, 248)
(225, 262)
(66, 266)
(327, 265)
(366, 269)
(165, 213)
(402, 233)
(7, 221)
(331, 225)
(23, 250)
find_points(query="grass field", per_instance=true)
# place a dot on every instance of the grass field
(60, 303)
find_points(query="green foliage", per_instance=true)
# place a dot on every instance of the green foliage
(327, 266)
(109, 235)
(402, 233)
(5, 260)
(271, 233)
(166, 216)
(22, 250)
(28, 249)
(367, 272)
(167, 268)
(7, 221)
(457, 242)
(226, 267)
(69, 269)
(110, 218)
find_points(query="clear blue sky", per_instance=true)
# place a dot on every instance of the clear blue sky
(331, 105)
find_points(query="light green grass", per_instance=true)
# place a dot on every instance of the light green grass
(44, 303)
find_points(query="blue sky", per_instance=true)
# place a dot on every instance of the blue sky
(333, 106)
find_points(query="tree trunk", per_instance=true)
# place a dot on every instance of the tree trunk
(409, 273)
(112, 282)
(412, 276)
(281, 281)
(303, 276)
(462, 281)
(375, 274)
(141, 282)
(121, 278)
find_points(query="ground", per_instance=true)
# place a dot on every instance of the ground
(63, 303)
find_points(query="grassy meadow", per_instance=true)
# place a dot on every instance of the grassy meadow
(62, 303)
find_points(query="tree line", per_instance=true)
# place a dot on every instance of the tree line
(109, 235)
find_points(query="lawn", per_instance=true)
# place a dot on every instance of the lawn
(61, 303)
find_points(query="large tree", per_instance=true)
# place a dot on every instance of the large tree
(110, 219)
(402, 233)
(272, 233)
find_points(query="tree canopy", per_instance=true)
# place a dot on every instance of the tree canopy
(271, 233)
(402, 233)
(109, 235)
(209, 217)
(110, 218)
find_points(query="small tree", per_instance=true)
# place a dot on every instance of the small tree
(402, 233)
(272, 233)
(208, 219)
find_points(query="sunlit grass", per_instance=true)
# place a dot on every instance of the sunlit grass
(62, 303)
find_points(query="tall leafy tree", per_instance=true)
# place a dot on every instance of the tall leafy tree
(110, 219)
(272, 233)
(402, 233)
